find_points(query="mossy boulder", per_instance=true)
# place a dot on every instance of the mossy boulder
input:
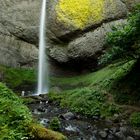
(41, 133)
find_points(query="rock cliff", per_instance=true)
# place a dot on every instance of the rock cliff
(76, 30)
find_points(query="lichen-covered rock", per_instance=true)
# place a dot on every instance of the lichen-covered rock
(75, 29)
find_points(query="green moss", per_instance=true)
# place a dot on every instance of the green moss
(41, 133)
(123, 41)
(16, 77)
(135, 119)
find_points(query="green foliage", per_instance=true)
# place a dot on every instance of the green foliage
(128, 89)
(86, 101)
(135, 119)
(124, 41)
(16, 121)
(92, 98)
(16, 77)
(14, 118)
(55, 124)
(114, 71)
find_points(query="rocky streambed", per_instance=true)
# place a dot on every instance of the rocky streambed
(78, 127)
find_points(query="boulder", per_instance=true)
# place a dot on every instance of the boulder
(76, 30)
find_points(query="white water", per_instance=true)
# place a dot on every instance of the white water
(42, 66)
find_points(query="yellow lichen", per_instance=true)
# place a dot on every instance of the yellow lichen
(79, 13)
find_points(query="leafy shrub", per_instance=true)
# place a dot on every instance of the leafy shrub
(87, 101)
(55, 124)
(14, 118)
(135, 119)
(124, 41)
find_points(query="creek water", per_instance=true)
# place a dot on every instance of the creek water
(80, 127)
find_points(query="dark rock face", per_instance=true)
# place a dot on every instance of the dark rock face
(73, 38)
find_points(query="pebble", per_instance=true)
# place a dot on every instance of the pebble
(130, 138)
(110, 137)
(93, 138)
(45, 122)
(120, 135)
(103, 134)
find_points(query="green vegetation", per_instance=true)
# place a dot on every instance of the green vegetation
(16, 121)
(128, 89)
(92, 95)
(124, 41)
(14, 118)
(135, 119)
(15, 77)
(55, 124)
(116, 70)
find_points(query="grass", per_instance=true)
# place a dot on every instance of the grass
(95, 77)
(135, 119)
(90, 97)
(14, 78)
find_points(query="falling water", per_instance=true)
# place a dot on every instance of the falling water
(42, 67)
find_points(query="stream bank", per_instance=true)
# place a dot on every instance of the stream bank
(78, 127)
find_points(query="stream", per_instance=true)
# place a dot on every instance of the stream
(78, 127)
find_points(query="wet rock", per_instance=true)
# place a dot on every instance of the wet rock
(120, 135)
(41, 109)
(137, 133)
(130, 138)
(36, 112)
(95, 117)
(110, 137)
(108, 122)
(123, 130)
(95, 132)
(68, 116)
(93, 138)
(45, 122)
(124, 122)
(103, 134)
(72, 128)
(116, 118)
(106, 129)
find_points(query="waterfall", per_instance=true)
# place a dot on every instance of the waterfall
(42, 66)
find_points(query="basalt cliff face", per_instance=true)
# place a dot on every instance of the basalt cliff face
(76, 30)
